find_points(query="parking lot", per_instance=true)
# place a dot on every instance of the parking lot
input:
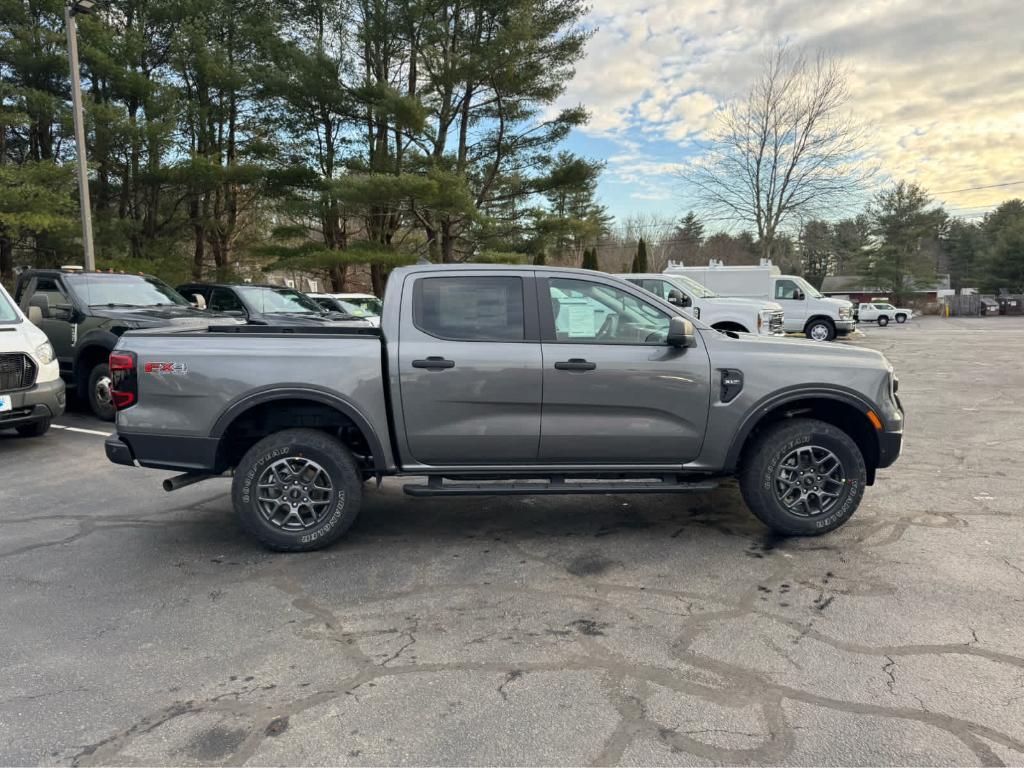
(140, 627)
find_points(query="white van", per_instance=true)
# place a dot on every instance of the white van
(31, 390)
(764, 318)
(806, 309)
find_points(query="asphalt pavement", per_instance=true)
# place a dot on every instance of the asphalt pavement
(141, 627)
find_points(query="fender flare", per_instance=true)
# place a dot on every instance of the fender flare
(790, 395)
(97, 337)
(819, 316)
(302, 392)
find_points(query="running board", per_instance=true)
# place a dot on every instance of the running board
(435, 486)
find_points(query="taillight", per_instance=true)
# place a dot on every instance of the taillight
(125, 383)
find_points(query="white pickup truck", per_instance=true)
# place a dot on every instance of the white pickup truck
(882, 312)
(722, 313)
(806, 310)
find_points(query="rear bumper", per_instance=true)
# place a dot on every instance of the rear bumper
(40, 402)
(181, 454)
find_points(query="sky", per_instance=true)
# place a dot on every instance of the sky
(939, 83)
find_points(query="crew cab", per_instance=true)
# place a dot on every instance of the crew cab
(489, 379)
(31, 390)
(721, 313)
(84, 313)
(262, 304)
(882, 312)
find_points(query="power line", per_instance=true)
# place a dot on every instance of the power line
(986, 186)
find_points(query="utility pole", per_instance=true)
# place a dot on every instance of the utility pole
(82, 6)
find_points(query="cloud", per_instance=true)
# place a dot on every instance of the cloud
(941, 82)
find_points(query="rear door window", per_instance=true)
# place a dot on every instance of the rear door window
(470, 308)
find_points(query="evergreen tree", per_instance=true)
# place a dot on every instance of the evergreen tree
(640, 260)
(903, 224)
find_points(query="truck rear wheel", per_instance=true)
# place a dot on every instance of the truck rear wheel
(297, 490)
(803, 477)
(101, 386)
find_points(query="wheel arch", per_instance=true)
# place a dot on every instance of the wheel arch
(843, 409)
(815, 318)
(730, 325)
(93, 348)
(254, 412)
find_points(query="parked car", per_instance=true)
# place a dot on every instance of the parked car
(84, 313)
(882, 312)
(31, 390)
(262, 304)
(806, 310)
(474, 382)
(362, 305)
(721, 313)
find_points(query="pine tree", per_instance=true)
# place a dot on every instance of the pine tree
(640, 260)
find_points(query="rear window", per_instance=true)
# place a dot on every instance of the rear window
(470, 308)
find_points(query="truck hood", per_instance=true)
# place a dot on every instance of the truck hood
(305, 319)
(800, 350)
(145, 317)
(735, 301)
(838, 303)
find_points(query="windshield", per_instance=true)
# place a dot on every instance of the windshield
(807, 288)
(369, 307)
(106, 290)
(274, 301)
(694, 287)
(7, 312)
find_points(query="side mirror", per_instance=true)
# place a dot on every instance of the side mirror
(677, 298)
(199, 301)
(62, 312)
(681, 333)
(799, 296)
(35, 315)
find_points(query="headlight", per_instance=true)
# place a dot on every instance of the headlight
(44, 353)
(845, 313)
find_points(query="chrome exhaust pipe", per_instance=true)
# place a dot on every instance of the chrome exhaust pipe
(189, 478)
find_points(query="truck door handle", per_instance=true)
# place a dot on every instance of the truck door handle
(434, 364)
(575, 364)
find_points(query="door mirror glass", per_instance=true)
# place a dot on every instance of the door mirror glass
(62, 311)
(681, 333)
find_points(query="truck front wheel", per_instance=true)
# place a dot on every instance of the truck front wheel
(803, 477)
(297, 490)
(820, 330)
(882, 321)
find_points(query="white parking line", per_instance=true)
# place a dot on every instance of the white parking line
(83, 431)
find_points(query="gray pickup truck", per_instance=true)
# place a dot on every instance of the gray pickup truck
(504, 380)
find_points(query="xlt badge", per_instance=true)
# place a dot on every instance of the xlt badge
(732, 384)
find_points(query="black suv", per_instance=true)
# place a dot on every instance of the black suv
(84, 314)
(262, 304)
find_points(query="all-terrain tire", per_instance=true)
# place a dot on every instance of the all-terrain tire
(35, 429)
(883, 320)
(296, 462)
(100, 399)
(820, 330)
(763, 463)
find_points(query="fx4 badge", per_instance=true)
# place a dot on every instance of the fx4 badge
(165, 368)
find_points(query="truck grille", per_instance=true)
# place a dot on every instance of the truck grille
(775, 322)
(17, 371)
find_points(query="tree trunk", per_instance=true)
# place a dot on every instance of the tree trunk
(6, 259)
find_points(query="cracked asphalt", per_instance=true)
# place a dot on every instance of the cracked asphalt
(142, 628)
